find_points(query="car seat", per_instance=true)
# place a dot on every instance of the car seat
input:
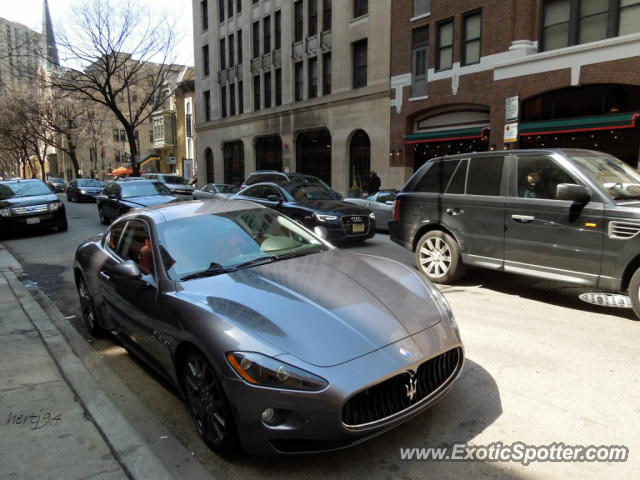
(146, 257)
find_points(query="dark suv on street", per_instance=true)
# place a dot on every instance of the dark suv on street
(560, 214)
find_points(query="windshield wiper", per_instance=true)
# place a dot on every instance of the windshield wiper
(214, 269)
(256, 261)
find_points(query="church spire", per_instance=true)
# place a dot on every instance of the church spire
(51, 61)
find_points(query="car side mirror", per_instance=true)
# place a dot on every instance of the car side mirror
(126, 271)
(274, 198)
(573, 192)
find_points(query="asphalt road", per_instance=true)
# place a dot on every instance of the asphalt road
(542, 367)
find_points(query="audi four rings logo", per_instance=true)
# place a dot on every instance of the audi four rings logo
(412, 387)
(356, 219)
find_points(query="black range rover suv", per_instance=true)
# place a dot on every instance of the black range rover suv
(561, 214)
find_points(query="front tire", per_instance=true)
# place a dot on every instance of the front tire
(209, 407)
(438, 257)
(63, 225)
(103, 220)
(634, 293)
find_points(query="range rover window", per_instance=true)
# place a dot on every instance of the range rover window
(539, 176)
(459, 178)
(615, 177)
(485, 176)
(437, 177)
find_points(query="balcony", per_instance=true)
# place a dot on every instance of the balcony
(164, 129)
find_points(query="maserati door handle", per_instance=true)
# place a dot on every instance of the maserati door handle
(104, 276)
(523, 218)
(455, 211)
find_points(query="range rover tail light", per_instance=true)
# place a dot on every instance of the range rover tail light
(396, 211)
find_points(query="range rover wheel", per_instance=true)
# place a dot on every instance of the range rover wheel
(210, 410)
(438, 257)
(634, 293)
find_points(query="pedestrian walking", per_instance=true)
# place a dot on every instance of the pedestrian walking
(374, 183)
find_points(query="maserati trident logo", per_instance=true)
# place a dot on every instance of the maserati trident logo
(412, 387)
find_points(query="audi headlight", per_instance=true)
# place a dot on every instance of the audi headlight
(5, 212)
(83, 192)
(258, 369)
(372, 216)
(326, 218)
(55, 206)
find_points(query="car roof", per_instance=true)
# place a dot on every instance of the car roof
(24, 180)
(490, 153)
(168, 212)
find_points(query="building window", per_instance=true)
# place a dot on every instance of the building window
(421, 7)
(256, 39)
(221, 11)
(223, 101)
(189, 125)
(204, 14)
(298, 81)
(116, 135)
(232, 99)
(207, 105)
(298, 23)
(239, 39)
(471, 35)
(360, 64)
(592, 24)
(360, 8)
(223, 54)
(240, 97)
(232, 52)
(278, 87)
(205, 60)
(312, 67)
(256, 93)
(238, 6)
(326, 15)
(326, 74)
(267, 90)
(629, 20)
(312, 17)
(278, 29)
(444, 58)
(266, 30)
(420, 56)
(229, 8)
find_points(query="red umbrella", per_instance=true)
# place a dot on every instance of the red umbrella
(123, 171)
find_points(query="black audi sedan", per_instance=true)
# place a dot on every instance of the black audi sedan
(27, 204)
(83, 189)
(118, 198)
(315, 208)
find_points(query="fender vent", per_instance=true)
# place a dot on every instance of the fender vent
(623, 230)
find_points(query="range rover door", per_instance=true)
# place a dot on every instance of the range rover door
(546, 237)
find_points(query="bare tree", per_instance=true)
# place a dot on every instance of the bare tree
(122, 56)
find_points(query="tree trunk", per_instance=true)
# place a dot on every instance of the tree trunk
(133, 148)
(72, 154)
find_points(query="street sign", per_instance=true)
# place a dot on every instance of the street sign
(511, 132)
(512, 109)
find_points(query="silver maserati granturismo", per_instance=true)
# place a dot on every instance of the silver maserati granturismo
(279, 342)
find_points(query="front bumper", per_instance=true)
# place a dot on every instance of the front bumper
(313, 421)
(336, 232)
(33, 221)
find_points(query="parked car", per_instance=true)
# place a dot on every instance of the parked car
(274, 176)
(560, 214)
(315, 208)
(120, 197)
(381, 204)
(27, 204)
(275, 338)
(215, 190)
(83, 189)
(57, 184)
(177, 185)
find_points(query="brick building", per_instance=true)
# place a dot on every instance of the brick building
(574, 66)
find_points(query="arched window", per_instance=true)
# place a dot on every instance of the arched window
(359, 161)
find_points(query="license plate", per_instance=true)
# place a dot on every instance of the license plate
(358, 228)
(31, 221)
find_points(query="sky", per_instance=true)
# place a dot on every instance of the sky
(29, 13)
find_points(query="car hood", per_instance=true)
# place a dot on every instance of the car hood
(334, 206)
(149, 200)
(324, 308)
(91, 189)
(179, 186)
(26, 201)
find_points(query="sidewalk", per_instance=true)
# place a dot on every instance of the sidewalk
(55, 420)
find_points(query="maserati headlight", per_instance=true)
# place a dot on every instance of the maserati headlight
(326, 218)
(5, 212)
(258, 369)
(442, 303)
(55, 206)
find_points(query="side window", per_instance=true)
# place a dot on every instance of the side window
(539, 176)
(253, 192)
(115, 234)
(135, 245)
(459, 179)
(386, 197)
(267, 190)
(437, 176)
(485, 176)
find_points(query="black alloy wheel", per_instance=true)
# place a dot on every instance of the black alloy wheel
(209, 408)
(88, 309)
(69, 197)
(63, 225)
(103, 219)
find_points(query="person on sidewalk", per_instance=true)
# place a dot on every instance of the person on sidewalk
(374, 183)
